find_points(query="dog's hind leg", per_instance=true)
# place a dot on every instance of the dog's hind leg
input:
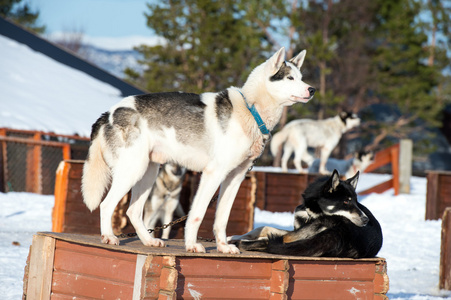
(287, 151)
(227, 194)
(140, 193)
(124, 178)
(257, 234)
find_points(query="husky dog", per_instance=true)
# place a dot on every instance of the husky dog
(330, 223)
(360, 161)
(164, 198)
(218, 134)
(298, 135)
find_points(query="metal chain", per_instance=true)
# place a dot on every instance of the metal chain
(164, 226)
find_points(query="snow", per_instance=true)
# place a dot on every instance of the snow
(411, 244)
(39, 93)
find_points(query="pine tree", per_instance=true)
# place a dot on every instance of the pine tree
(209, 46)
(401, 72)
(21, 14)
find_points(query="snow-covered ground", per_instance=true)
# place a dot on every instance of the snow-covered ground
(411, 244)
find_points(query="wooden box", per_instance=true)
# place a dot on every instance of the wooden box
(438, 195)
(279, 192)
(70, 214)
(70, 266)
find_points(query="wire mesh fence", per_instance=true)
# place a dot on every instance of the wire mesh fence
(29, 160)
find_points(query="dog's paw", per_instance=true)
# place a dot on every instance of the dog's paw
(195, 248)
(154, 243)
(228, 248)
(110, 239)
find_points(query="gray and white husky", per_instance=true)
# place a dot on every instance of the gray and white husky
(218, 134)
(298, 135)
(361, 160)
(165, 198)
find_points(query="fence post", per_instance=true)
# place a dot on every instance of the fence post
(3, 162)
(33, 175)
(405, 165)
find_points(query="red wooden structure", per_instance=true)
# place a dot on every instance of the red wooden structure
(69, 266)
(438, 195)
(445, 251)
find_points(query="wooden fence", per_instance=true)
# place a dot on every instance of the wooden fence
(29, 159)
(399, 156)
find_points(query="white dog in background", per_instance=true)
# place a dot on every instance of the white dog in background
(298, 135)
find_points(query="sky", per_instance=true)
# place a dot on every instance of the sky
(100, 21)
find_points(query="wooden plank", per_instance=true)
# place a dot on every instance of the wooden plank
(324, 289)
(59, 209)
(394, 151)
(331, 271)
(41, 266)
(99, 273)
(381, 158)
(445, 251)
(432, 197)
(380, 188)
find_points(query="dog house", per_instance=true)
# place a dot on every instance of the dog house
(69, 266)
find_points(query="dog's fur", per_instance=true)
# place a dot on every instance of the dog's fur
(360, 161)
(330, 223)
(213, 133)
(298, 135)
(164, 198)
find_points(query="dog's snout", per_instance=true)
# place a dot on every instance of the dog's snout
(311, 90)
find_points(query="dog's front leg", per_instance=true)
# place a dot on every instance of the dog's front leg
(208, 185)
(229, 189)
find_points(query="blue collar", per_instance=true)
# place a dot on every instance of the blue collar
(258, 119)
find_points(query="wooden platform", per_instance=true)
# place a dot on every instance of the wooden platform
(69, 266)
(438, 195)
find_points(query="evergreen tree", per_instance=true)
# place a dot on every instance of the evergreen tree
(402, 76)
(21, 14)
(209, 45)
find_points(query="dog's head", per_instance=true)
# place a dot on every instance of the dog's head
(174, 170)
(283, 79)
(350, 119)
(329, 196)
(363, 159)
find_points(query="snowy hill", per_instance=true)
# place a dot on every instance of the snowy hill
(112, 61)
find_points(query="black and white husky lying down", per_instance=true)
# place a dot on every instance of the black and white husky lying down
(330, 223)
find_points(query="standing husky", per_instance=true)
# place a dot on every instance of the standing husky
(298, 135)
(330, 223)
(164, 198)
(218, 134)
(360, 161)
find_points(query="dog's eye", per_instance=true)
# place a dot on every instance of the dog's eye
(290, 77)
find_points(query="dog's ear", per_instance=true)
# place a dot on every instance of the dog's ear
(333, 182)
(298, 60)
(354, 180)
(275, 62)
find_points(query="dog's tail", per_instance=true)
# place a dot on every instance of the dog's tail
(96, 176)
(278, 139)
